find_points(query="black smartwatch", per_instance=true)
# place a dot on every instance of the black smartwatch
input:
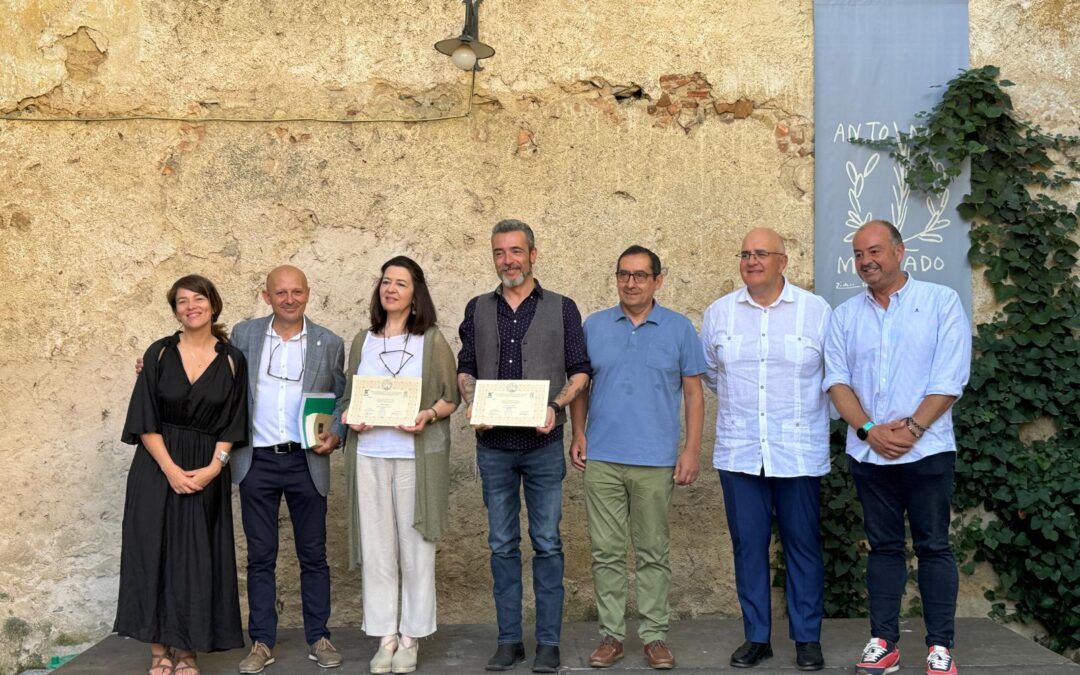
(864, 431)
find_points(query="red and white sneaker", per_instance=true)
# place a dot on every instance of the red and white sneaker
(878, 658)
(940, 662)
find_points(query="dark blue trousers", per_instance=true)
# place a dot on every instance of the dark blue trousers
(923, 490)
(752, 502)
(271, 477)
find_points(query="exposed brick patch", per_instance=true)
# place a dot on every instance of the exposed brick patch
(525, 144)
(794, 136)
(735, 110)
(607, 97)
(684, 103)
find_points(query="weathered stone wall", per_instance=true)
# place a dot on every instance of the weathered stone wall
(676, 124)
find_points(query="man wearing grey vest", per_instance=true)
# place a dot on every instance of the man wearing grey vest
(523, 332)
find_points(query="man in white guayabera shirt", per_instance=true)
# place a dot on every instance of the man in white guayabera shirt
(763, 359)
(897, 357)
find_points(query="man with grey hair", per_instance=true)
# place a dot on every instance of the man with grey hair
(523, 332)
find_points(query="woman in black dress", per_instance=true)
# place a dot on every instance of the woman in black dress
(177, 565)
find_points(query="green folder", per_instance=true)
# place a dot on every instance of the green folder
(316, 416)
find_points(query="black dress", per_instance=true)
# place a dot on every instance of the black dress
(178, 562)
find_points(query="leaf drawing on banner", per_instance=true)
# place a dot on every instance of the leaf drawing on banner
(855, 218)
(901, 193)
(935, 207)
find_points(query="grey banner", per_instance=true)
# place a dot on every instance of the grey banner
(876, 64)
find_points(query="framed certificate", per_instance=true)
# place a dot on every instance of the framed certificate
(384, 401)
(510, 403)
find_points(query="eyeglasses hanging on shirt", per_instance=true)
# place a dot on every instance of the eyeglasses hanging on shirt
(390, 354)
(285, 377)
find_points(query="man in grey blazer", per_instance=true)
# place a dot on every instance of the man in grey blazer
(288, 355)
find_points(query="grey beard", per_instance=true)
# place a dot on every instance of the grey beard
(511, 282)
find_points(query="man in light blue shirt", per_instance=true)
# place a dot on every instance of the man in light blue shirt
(646, 363)
(896, 359)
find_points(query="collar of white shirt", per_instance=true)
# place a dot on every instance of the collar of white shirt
(786, 295)
(271, 333)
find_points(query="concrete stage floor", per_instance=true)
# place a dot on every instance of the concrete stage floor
(700, 646)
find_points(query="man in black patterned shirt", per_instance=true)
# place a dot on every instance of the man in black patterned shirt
(523, 332)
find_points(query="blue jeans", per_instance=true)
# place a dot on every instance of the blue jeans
(541, 472)
(923, 490)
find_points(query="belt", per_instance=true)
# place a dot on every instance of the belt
(281, 448)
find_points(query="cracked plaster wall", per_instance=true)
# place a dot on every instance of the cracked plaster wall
(676, 124)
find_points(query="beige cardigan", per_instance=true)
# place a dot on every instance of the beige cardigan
(432, 445)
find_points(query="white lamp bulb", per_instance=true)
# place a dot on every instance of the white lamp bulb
(464, 57)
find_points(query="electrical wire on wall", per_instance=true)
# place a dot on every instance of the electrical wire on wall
(250, 120)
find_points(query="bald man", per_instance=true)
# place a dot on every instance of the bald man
(288, 355)
(763, 358)
(896, 359)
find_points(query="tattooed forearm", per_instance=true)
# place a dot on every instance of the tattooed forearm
(467, 387)
(571, 389)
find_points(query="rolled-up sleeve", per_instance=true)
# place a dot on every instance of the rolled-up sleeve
(837, 370)
(467, 332)
(575, 353)
(952, 353)
(708, 349)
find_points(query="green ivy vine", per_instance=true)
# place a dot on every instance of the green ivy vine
(1018, 423)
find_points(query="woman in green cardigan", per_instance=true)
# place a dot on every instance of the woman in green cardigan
(398, 478)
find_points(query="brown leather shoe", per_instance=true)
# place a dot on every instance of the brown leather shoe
(607, 653)
(659, 656)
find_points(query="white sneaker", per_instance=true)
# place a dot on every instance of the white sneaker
(939, 661)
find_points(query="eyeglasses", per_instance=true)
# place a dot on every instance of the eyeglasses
(757, 255)
(641, 277)
(285, 377)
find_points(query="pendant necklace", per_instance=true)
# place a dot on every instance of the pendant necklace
(405, 356)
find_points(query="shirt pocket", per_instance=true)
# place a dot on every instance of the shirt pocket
(802, 349)
(793, 433)
(662, 357)
(728, 348)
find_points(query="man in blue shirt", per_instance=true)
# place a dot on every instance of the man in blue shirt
(646, 361)
(896, 359)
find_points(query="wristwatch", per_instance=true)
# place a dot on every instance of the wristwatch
(864, 431)
(223, 457)
(556, 407)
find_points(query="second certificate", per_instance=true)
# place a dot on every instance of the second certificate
(511, 403)
(385, 401)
